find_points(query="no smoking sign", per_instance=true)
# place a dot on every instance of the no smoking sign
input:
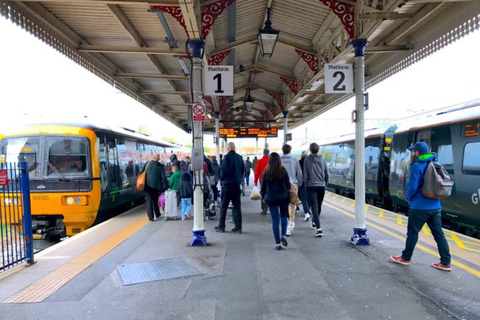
(198, 111)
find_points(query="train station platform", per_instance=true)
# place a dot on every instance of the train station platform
(242, 276)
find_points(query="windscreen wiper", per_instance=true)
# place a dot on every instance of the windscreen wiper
(57, 171)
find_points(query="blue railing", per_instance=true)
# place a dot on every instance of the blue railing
(15, 216)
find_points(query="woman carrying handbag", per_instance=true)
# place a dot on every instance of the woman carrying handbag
(276, 192)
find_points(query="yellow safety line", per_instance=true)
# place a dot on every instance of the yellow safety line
(44, 287)
(335, 196)
(353, 204)
(399, 220)
(426, 230)
(343, 200)
(457, 241)
(419, 246)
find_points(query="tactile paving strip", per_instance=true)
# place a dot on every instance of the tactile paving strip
(44, 287)
(140, 272)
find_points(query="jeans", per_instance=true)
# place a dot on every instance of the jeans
(231, 193)
(186, 205)
(302, 193)
(278, 217)
(151, 197)
(315, 199)
(416, 220)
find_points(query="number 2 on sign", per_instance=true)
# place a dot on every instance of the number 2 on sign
(342, 78)
(218, 77)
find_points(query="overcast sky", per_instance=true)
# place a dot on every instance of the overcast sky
(37, 81)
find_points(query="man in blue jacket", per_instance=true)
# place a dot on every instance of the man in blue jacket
(231, 176)
(423, 210)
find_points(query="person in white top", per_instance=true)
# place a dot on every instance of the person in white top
(296, 177)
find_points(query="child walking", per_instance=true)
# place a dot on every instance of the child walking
(185, 191)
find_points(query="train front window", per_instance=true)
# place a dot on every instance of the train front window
(22, 149)
(67, 157)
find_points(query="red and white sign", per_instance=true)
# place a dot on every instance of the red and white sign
(198, 111)
(3, 178)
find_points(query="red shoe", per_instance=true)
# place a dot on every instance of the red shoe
(400, 260)
(440, 266)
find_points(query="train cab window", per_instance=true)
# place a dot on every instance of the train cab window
(471, 161)
(22, 149)
(67, 156)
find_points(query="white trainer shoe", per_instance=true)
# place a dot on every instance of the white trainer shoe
(307, 217)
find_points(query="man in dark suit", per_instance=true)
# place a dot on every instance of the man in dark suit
(231, 176)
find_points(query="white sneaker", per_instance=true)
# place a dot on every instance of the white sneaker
(307, 217)
(292, 225)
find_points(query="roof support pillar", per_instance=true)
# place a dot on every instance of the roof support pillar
(359, 231)
(198, 237)
(285, 126)
(217, 136)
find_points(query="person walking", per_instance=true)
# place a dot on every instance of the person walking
(185, 192)
(423, 210)
(156, 183)
(302, 190)
(216, 170)
(296, 177)
(248, 167)
(260, 167)
(275, 190)
(315, 178)
(254, 164)
(231, 175)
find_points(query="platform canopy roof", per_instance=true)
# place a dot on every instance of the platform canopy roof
(138, 46)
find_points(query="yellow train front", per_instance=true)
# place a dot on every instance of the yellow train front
(79, 174)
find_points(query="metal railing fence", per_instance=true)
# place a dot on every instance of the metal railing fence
(15, 216)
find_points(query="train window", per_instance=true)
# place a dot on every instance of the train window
(114, 178)
(22, 149)
(67, 156)
(471, 161)
(445, 155)
(424, 136)
(102, 154)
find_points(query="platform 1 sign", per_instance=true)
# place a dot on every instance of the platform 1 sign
(198, 112)
(218, 80)
(3, 178)
(338, 78)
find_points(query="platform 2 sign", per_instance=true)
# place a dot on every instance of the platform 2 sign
(198, 112)
(3, 178)
(338, 78)
(218, 80)
(248, 133)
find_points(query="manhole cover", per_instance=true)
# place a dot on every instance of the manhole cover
(156, 270)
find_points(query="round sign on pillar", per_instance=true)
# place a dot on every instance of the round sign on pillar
(198, 111)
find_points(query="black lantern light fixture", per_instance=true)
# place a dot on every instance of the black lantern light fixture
(249, 103)
(267, 37)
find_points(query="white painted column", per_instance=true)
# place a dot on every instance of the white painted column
(217, 138)
(359, 235)
(285, 126)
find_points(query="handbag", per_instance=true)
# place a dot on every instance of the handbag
(294, 199)
(142, 178)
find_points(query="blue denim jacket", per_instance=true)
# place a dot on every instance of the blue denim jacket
(414, 194)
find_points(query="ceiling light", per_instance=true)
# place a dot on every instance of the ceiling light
(267, 37)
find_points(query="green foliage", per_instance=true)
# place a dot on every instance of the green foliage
(144, 130)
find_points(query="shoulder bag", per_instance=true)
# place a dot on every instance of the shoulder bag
(142, 178)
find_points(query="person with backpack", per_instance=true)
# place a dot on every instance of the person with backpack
(423, 210)
(185, 192)
(275, 189)
(155, 183)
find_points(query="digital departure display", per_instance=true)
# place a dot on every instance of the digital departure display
(248, 133)
(471, 129)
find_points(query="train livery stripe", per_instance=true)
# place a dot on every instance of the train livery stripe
(419, 246)
(46, 286)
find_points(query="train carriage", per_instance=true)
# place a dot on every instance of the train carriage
(80, 174)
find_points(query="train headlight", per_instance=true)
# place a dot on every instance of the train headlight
(76, 200)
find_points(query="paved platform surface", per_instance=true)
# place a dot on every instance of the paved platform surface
(244, 277)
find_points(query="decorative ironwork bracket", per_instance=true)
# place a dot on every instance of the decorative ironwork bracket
(210, 13)
(310, 59)
(272, 109)
(291, 84)
(217, 58)
(175, 12)
(345, 12)
(278, 98)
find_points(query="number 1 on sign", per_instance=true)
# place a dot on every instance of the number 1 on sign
(218, 77)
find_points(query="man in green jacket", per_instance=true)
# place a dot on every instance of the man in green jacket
(156, 183)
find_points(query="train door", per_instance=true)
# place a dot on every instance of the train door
(441, 144)
(372, 156)
(399, 164)
(114, 176)
(466, 144)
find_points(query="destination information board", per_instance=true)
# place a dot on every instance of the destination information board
(248, 133)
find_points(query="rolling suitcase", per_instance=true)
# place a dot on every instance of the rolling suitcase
(170, 205)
